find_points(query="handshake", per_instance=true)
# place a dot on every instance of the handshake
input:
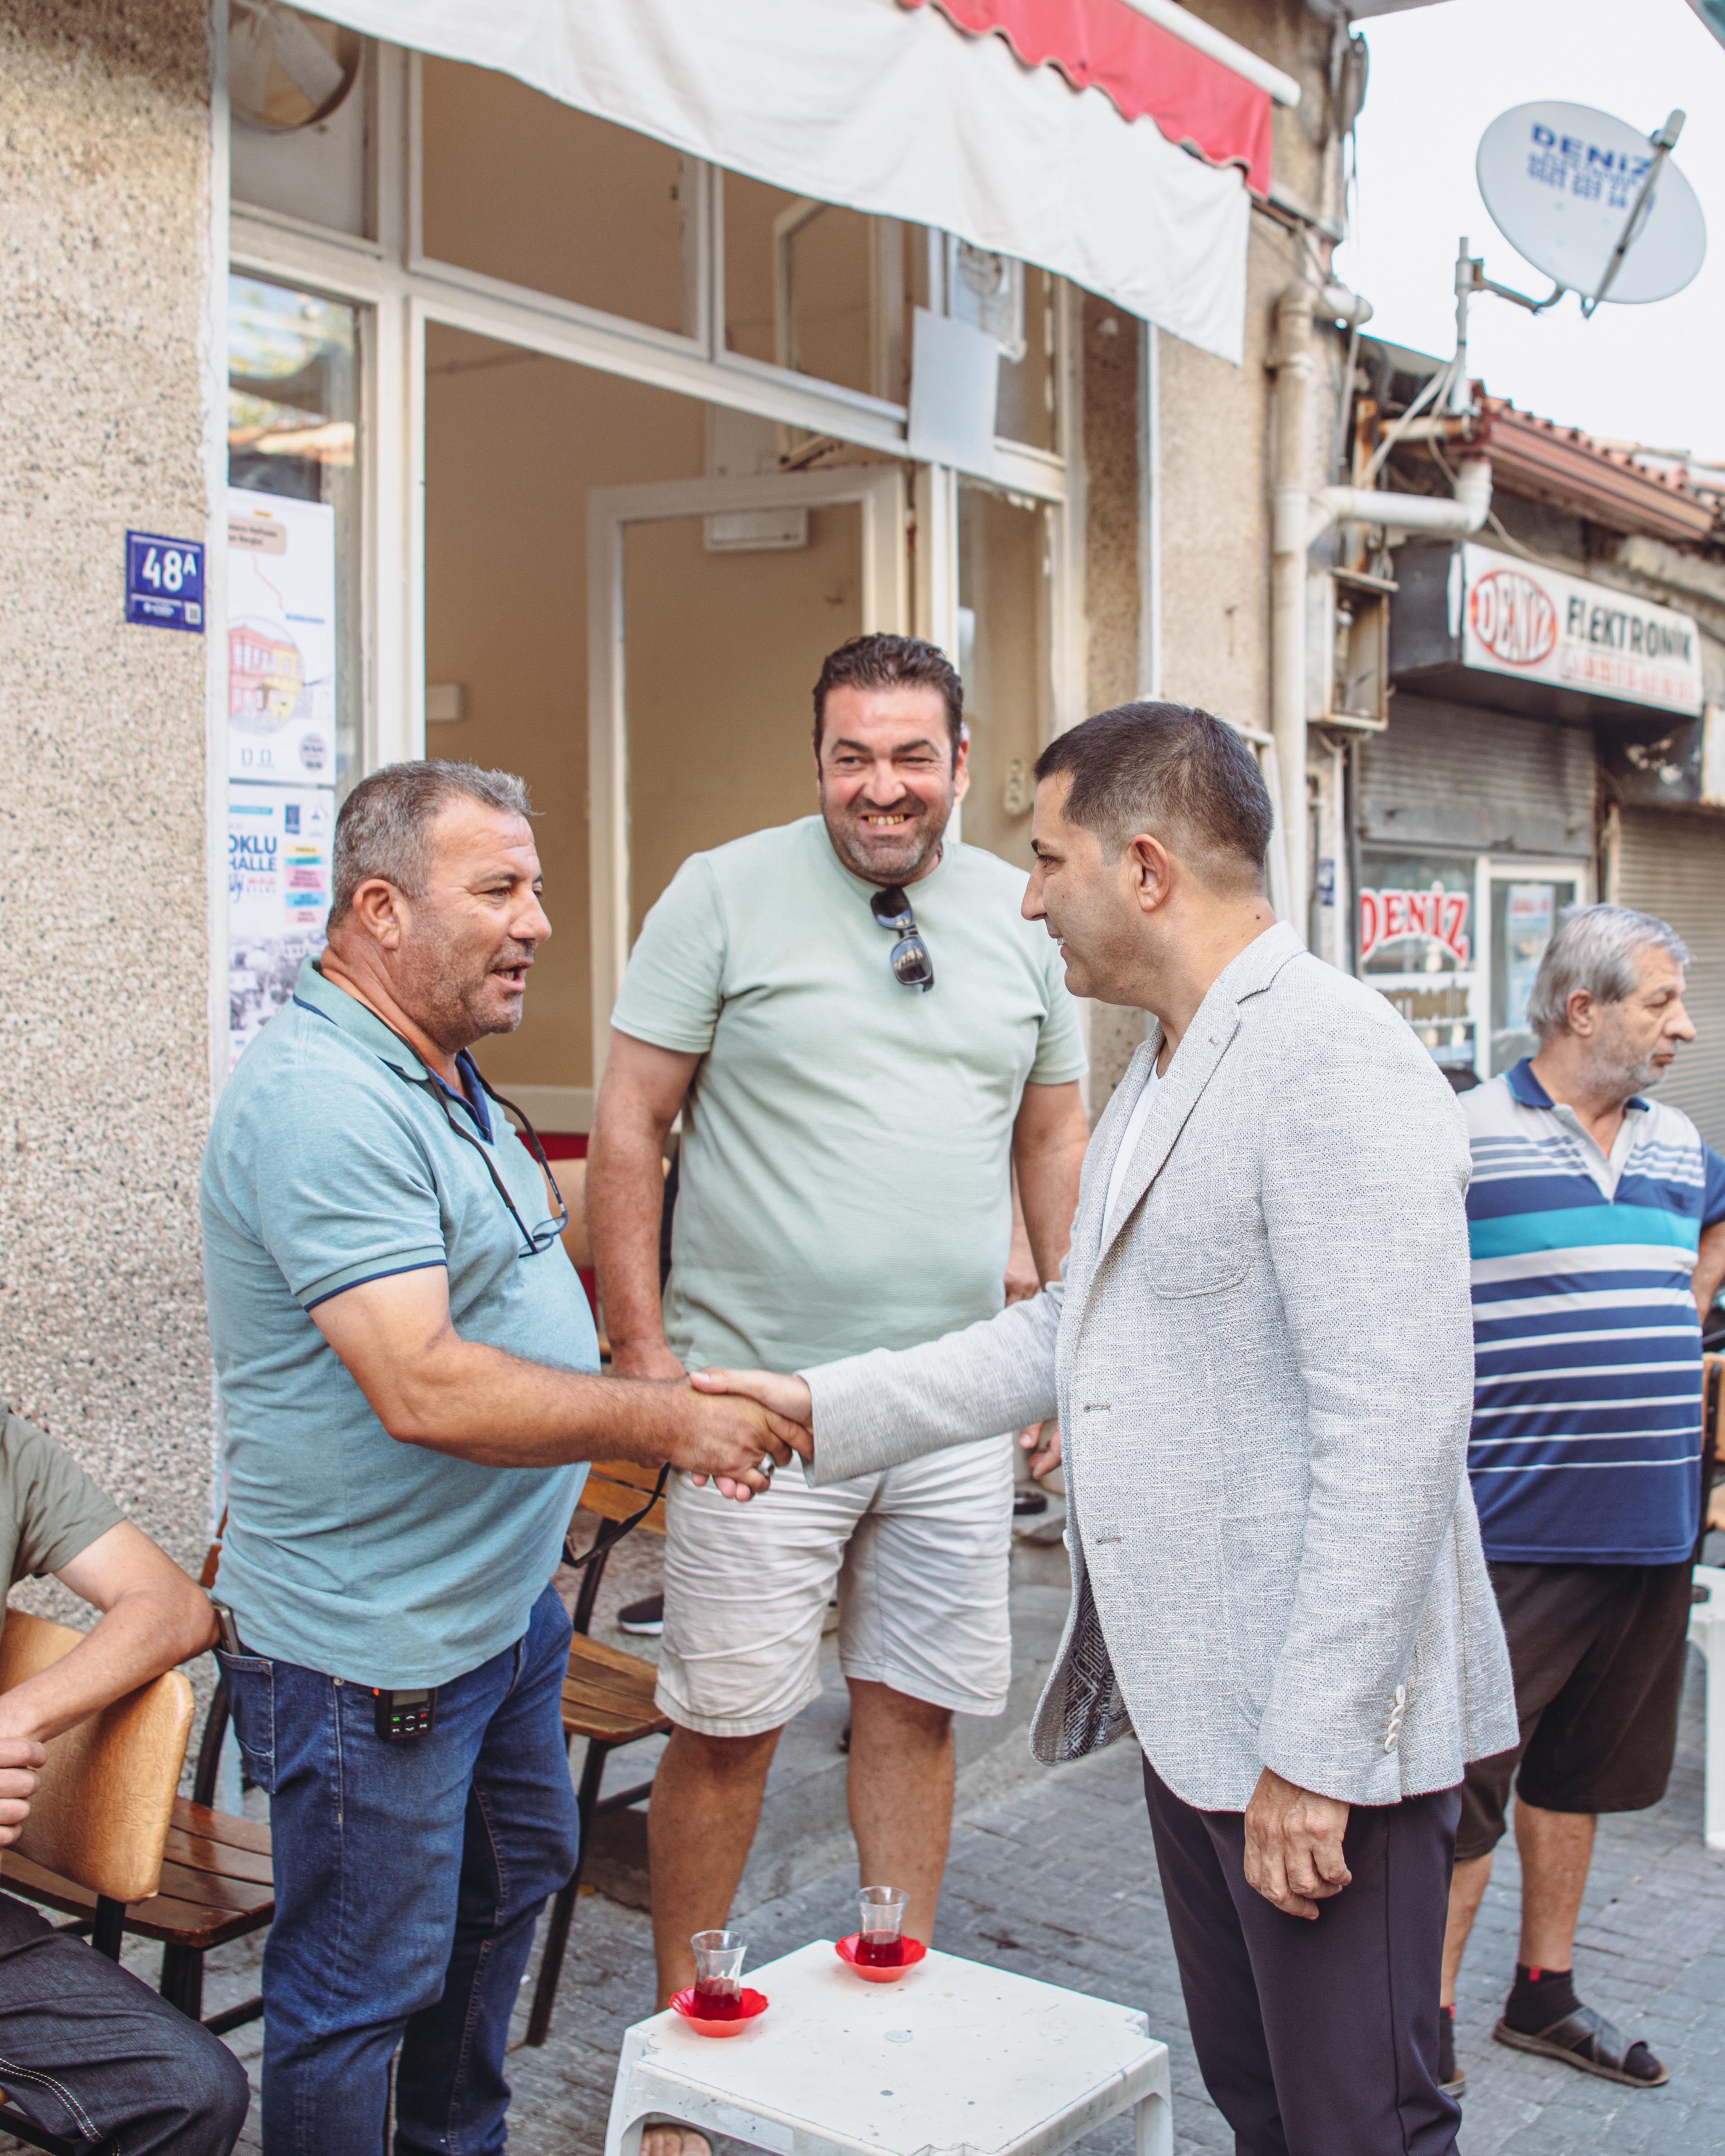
(765, 1419)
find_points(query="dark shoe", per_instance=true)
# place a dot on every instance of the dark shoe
(643, 1617)
(1026, 1504)
(1451, 2082)
(1587, 2039)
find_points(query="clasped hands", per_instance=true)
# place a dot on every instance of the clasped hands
(790, 1413)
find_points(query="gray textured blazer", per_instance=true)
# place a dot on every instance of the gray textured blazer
(1264, 1378)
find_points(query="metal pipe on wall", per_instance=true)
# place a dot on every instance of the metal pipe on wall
(1299, 515)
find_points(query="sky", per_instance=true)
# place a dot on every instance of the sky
(1653, 374)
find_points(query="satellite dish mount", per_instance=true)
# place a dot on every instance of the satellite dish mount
(1550, 174)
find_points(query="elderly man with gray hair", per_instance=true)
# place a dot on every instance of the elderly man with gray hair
(1596, 1220)
(405, 1363)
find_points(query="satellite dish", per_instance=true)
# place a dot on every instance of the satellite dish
(1562, 183)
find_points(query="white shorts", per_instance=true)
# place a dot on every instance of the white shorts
(921, 1554)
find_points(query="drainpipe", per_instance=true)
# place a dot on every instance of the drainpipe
(1301, 515)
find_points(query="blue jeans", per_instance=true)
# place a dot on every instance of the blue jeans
(408, 1877)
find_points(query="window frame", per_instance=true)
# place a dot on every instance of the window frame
(400, 290)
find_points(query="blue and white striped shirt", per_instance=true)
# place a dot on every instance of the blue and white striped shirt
(1586, 1439)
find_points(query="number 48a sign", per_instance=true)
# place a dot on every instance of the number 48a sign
(164, 581)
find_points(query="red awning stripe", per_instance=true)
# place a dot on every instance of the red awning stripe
(1147, 71)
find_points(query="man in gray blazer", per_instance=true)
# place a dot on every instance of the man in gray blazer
(1261, 1359)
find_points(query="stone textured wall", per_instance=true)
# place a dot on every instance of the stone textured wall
(1217, 420)
(1113, 588)
(104, 967)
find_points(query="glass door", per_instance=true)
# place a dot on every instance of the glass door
(1527, 901)
(710, 605)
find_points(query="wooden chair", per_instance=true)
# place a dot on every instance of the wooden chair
(608, 1699)
(101, 1817)
(216, 1880)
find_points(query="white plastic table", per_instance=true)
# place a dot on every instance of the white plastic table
(955, 2059)
(1706, 1630)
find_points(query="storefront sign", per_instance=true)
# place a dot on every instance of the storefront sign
(164, 581)
(1535, 623)
(1434, 916)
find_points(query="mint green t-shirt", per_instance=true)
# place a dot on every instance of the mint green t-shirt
(846, 1177)
(335, 1157)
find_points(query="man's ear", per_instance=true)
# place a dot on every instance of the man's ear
(377, 909)
(1582, 1014)
(1151, 872)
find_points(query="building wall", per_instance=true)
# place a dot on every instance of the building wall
(103, 965)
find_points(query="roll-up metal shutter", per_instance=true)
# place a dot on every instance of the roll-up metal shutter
(1673, 866)
(1482, 782)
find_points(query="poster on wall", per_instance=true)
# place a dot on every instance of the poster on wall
(281, 639)
(279, 842)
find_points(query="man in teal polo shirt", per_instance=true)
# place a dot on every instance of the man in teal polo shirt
(405, 1363)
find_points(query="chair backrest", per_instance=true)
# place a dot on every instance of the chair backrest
(617, 1490)
(104, 1800)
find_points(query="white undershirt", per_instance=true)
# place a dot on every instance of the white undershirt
(1128, 1146)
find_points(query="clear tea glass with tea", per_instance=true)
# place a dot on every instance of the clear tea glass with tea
(880, 1935)
(718, 1974)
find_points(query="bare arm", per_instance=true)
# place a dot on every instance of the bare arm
(1049, 1142)
(153, 1617)
(428, 1386)
(642, 1090)
(1709, 1271)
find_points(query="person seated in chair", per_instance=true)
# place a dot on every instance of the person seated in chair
(85, 2048)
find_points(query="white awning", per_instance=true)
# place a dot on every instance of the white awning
(884, 108)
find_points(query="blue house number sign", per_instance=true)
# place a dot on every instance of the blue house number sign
(164, 581)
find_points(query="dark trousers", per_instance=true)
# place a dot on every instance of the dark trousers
(1316, 2039)
(88, 2051)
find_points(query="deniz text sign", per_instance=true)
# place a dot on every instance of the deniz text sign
(1437, 916)
(1519, 618)
(164, 581)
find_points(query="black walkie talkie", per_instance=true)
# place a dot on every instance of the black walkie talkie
(402, 1715)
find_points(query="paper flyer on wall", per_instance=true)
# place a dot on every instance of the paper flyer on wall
(281, 638)
(279, 841)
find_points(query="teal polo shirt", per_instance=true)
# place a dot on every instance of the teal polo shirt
(331, 1160)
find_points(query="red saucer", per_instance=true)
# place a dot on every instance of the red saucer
(752, 2004)
(874, 1972)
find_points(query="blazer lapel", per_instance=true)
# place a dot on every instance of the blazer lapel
(1193, 1065)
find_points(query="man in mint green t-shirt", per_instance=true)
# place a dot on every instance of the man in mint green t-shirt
(865, 1038)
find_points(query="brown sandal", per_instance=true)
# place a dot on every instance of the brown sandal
(1587, 2039)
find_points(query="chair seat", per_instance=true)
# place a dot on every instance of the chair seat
(217, 1881)
(608, 1694)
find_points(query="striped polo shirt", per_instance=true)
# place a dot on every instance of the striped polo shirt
(1586, 1440)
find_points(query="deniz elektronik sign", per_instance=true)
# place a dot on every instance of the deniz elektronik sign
(1533, 624)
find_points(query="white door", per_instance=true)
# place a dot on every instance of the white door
(710, 603)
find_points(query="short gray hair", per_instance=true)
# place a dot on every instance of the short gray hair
(384, 828)
(1594, 948)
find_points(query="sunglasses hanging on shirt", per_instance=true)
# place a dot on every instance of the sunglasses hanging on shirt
(911, 965)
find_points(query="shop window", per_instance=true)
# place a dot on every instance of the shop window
(300, 92)
(1027, 409)
(817, 289)
(1003, 655)
(293, 408)
(1417, 939)
(1524, 916)
(521, 187)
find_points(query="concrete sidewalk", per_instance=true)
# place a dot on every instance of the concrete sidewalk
(1053, 1876)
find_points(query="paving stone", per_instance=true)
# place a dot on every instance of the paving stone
(1057, 1879)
